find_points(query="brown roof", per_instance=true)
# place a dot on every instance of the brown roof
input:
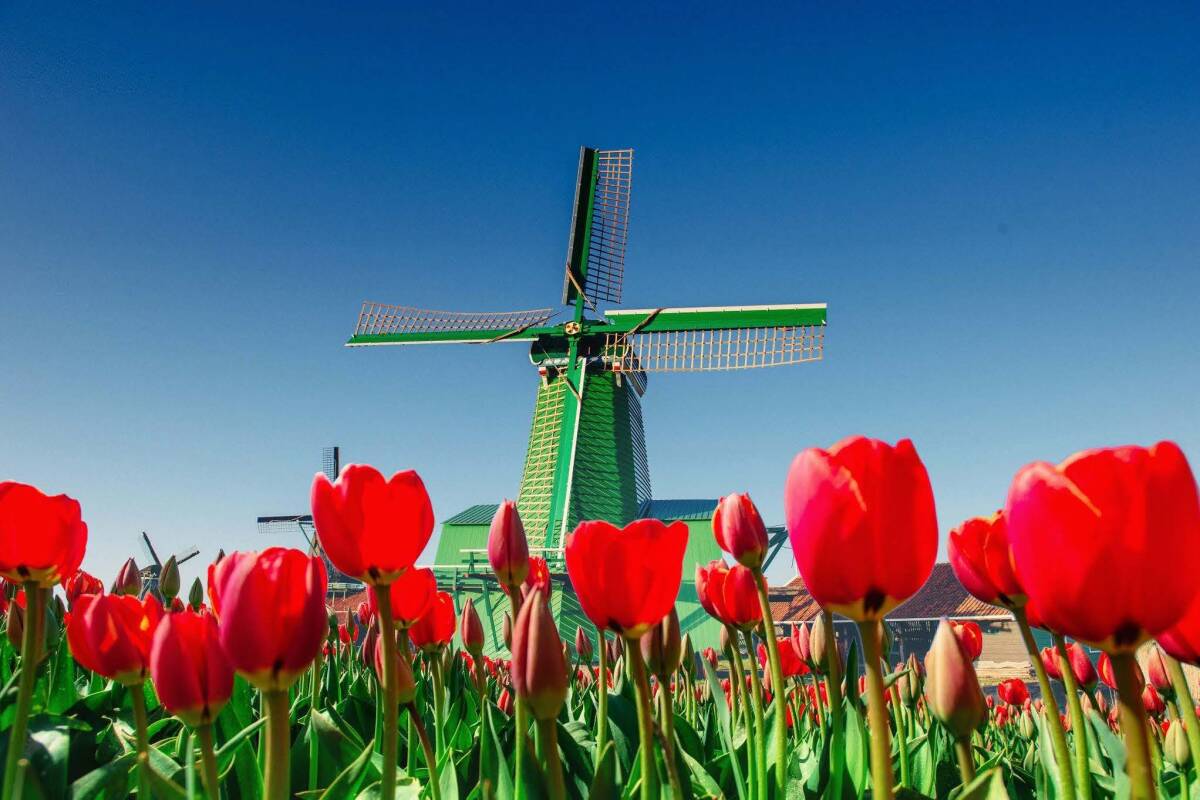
(941, 596)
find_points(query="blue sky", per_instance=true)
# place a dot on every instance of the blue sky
(1001, 207)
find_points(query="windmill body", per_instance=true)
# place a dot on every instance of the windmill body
(586, 457)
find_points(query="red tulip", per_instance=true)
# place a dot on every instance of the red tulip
(739, 598)
(508, 549)
(1182, 640)
(537, 578)
(42, 538)
(435, 629)
(1049, 656)
(343, 634)
(981, 560)
(505, 702)
(192, 676)
(800, 642)
(364, 612)
(951, 686)
(740, 531)
(539, 674)
(412, 594)
(111, 635)
(1081, 666)
(1013, 691)
(82, 583)
(372, 528)
(470, 629)
(1156, 670)
(1152, 701)
(271, 611)
(626, 579)
(969, 636)
(862, 523)
(1106, 542)
(583, 645)
(710, 655)
(790, 662)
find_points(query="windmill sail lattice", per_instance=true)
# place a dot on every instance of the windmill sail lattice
(599, 231)
(379, 319)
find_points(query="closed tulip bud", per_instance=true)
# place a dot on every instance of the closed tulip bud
(740, 531)
(616, 649)
(192, 676)
(1049, 658)
(1026, 725)
(951, 686)
(539, 675)
(661, 648)
(505, 702)
(506, 631)
(1156, 671)
(818, 644)
(168, 580)
(508, 550)
(911, 683)
(688, 661)
(82, 583)
(1175, 745)
(583, 645)
(196, 595)
(470, 629)
(1082, 667)
(724, 640)
(333, 625)
(129, 579)
(801, 643)
(406, 685)
(710, 655)
(1152, 701)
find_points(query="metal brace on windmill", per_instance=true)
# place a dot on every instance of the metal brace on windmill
(587, 455)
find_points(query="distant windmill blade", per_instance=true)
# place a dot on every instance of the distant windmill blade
(331, 462)
(288, 525)
(187, 555)
(714, 339)
(388, 324)
(599, 226)
(150, 549)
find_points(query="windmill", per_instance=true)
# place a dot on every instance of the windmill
(340, 584)
(153, 569)
(586, 457)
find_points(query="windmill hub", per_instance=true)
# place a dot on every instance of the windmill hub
(586, 457)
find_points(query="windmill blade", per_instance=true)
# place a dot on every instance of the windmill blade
(387, 324)
(150, 549)
(712, 339)
(187, 555)
(599, 226)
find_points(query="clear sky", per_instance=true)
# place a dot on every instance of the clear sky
(1001, 207)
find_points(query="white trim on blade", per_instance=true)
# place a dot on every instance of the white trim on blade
(791, 307)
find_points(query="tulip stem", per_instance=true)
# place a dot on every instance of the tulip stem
(391, 698)
(520, 715)
(547, 740)
(1083, 778)
(882, 779)
(313, 742)
(1058, 737)
(601, 695)
(435, 789)
(277, 780)
(668, 735)
(31, 644)
(137, 693)
(966, 759)
(833, 683)
(649, 777)
(1133, 725)
(1187, 709)
(760, 725)
(208, 762)
(779, 690)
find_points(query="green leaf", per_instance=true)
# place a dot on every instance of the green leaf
(700, 774)
(110, 779)
(349, 781)
(604, 784)
(987, 785)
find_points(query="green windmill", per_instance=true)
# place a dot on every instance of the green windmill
(587, 449)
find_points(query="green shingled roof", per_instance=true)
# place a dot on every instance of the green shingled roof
(677, 509)
(480, 514)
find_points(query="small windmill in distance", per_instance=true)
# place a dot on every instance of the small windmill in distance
(340, 584)
(151, 572)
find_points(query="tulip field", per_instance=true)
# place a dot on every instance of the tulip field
(249, 686)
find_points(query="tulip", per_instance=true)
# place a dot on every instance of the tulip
(470, 629)
(538, 577)
(1050, 663)
(911, 682)
(42, 538)
(364, 613)
(168, 579)
(739, 530)
(129, 579)
(1123, 507)
(1152, 701)
(372, 528)
(952, 692)
(505, 702)
(801, 642)
(1013, 691)
(82, 583)
(539, 677)
(583, 645)
(15, 628)
(1156, 670)
(406, 684)
(979, 555)
(662, 647)
(1104, 666)
(508, 550)
(1081, 666)
(869, 499)
(196, 594)
(435, 629)
(1175, 745)
(969, 636)
(739, 599)
(626, 579)
(411, 596)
